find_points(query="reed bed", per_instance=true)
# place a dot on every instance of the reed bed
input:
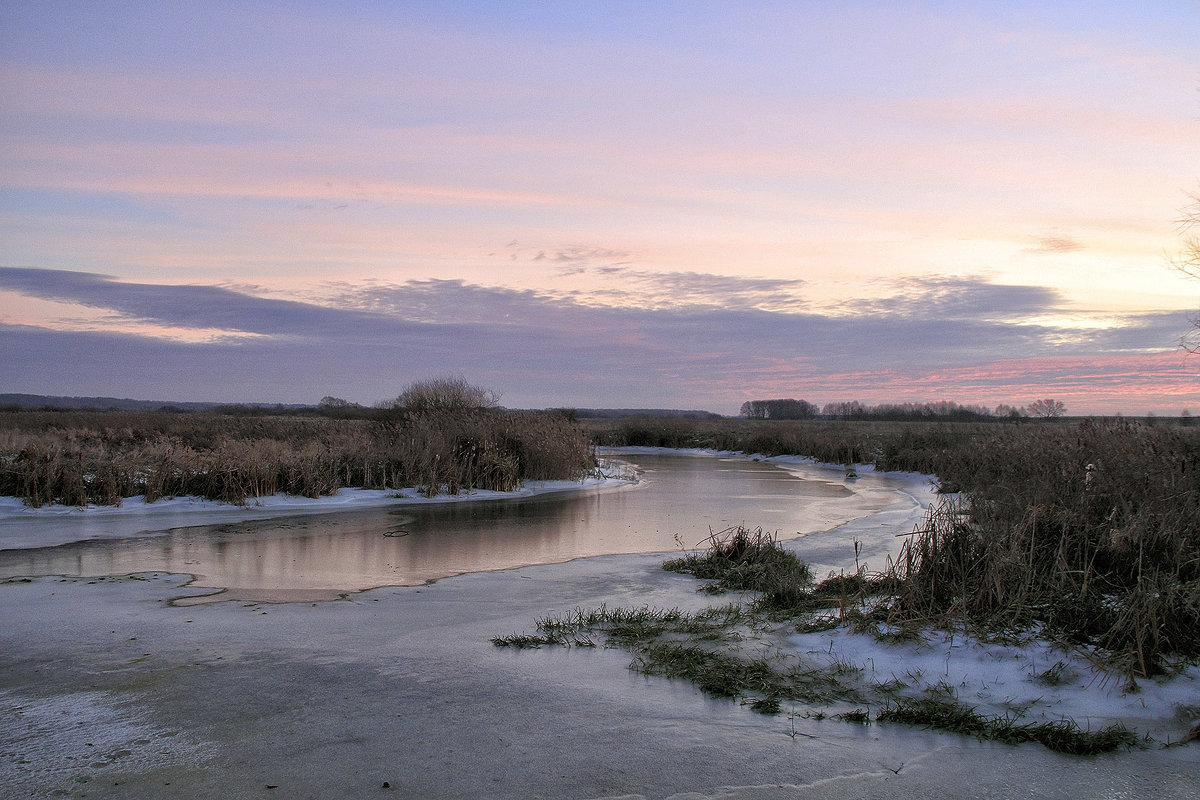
(1087, 530)
(1090, 532)
(77, 458)
(910, 447)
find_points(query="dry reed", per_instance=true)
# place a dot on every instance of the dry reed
(76, 458)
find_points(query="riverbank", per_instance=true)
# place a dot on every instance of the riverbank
(77, 458)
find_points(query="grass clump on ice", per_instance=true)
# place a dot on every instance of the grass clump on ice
(739, 560)
(700, 647)
(626, 626)
(1063, 736)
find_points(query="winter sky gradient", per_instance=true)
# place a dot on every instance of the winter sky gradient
(600, 204)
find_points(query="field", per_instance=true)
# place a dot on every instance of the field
(101, 457)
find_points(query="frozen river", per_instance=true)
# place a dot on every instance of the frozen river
(107, 689)
(678, 499)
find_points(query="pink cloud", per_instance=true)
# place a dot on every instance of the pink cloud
(1104, 384)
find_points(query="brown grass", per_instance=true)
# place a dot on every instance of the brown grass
(907, 446)
(75, 458)
(1106, 557)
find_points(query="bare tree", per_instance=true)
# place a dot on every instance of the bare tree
(1188, 261)
(1006, 411)
(778, 409)
(851, 409)
(1046, 408)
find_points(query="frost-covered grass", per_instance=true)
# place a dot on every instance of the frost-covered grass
(831, 649)
(956, 684)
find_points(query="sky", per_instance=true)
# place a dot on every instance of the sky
(636, 205)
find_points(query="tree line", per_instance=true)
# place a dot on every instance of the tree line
(789, 408)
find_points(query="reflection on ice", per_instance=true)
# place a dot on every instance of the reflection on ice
(316, 556)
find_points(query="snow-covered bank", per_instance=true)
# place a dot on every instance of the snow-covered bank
(51, 525)
(1030, 682)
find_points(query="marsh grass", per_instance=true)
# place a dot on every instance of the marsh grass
(715, 673)
(906, 446)
(626, 626)
(756, 681)
(740, 559)
(1086, 531)
(77, 458)
(1089, 533)
(859, 716)
(1063, 736)
(709, 648)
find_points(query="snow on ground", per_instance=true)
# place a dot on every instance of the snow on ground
(286, 503)
(1033, 681)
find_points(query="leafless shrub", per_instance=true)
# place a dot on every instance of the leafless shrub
(445, 394)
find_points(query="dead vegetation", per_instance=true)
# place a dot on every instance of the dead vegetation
(101, 457)
(1090, 532)
(1087, 529)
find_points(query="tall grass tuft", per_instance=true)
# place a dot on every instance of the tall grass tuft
(739, 559)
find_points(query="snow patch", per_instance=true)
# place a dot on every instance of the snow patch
(1033, 681)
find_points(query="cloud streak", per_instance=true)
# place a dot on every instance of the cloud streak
(368, 341)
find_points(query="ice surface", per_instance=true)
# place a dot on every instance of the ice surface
(401, 684)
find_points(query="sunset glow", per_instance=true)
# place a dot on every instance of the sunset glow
(599, 205)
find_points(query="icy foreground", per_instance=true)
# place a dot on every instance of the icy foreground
(108, 690)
